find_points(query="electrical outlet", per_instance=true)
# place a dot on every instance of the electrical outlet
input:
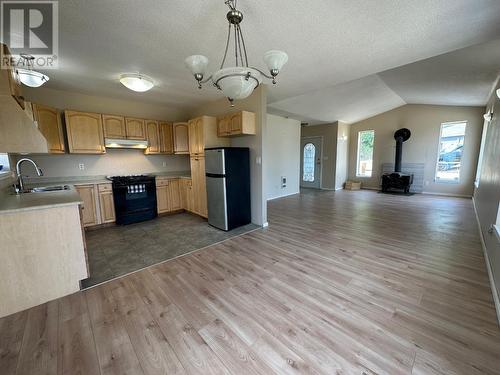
(283, 182)
(81, 166)
(164, 163)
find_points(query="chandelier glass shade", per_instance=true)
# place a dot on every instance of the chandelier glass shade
(30, 77)
(240, 80)
(498, 93)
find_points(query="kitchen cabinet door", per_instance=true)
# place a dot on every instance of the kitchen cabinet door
(196, 137)
(114, 127)
(181, 138)
(106, 203)
(14, 81)
(199, 185)
(85, 133)
(162, 199)
(88, 194)
(224, 126)
(236, 123)
(153, 133)
(107, 207)
(135, 128)
(174, 191)
(166, 138)
(50, 125)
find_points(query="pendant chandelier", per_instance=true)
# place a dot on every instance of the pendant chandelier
(239, 81)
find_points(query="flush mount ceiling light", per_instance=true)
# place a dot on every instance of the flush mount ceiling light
(236, 82)
(136, 82)
(28, 76)
(498, 93)
(488, 116)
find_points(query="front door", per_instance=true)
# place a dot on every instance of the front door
(310, 162)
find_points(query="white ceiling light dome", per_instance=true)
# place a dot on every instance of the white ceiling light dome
(238, 81)
(136, 82)
(30, 77)
(498, 93)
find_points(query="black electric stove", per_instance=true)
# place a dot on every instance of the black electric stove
(134, 198)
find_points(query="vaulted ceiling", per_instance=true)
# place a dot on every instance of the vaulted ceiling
(337, 51)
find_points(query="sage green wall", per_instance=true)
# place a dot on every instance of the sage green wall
(424, 121)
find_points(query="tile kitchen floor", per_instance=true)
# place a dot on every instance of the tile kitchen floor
(118, 250)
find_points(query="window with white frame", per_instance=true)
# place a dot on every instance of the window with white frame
(450, 152)
(364, 164)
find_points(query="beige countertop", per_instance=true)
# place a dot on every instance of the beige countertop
(10, 202)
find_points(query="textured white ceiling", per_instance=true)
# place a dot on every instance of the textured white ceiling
(463, 77)
(329, 41)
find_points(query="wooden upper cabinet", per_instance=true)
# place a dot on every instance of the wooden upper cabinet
(114, 127)
(14, 81)
(234, 124)
(181, 138)
(135, 128)
(224, 126)
(153, 135)
(85, 133)
(50, 125)
(166, 138)
(196, 136)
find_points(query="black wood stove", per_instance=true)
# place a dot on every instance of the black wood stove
(398, 181)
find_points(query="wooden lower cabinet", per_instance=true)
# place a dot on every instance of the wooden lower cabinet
(107, 206)
(88, 196)
(98, 204)
(199, 185)
(168, 195)
(187, 195)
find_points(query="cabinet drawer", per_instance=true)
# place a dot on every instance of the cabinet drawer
(105, 187)
(163, 181)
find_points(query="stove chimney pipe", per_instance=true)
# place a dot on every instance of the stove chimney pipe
(400, 136)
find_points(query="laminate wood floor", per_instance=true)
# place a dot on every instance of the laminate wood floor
(340, 283)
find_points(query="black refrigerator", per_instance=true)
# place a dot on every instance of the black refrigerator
(228, 186)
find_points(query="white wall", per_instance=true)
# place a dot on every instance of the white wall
(114, 162)
(487, 194)
(342, 162)
(283, 156)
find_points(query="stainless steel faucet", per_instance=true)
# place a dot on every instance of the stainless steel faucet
(20, 187)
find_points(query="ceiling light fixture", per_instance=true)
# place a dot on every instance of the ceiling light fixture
(498, 93)
(30, 77)
(136, 82)
(488, 116)
(236, 82)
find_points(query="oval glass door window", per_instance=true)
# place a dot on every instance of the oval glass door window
(309, 162)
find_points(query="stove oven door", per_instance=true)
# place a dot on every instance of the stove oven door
(134, 202)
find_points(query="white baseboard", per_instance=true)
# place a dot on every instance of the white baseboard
(369, 187)
(494, 290)
(447, 194)
(282, 196)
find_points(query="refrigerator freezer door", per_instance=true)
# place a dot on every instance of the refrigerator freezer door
(217, 202)
(215, 162)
